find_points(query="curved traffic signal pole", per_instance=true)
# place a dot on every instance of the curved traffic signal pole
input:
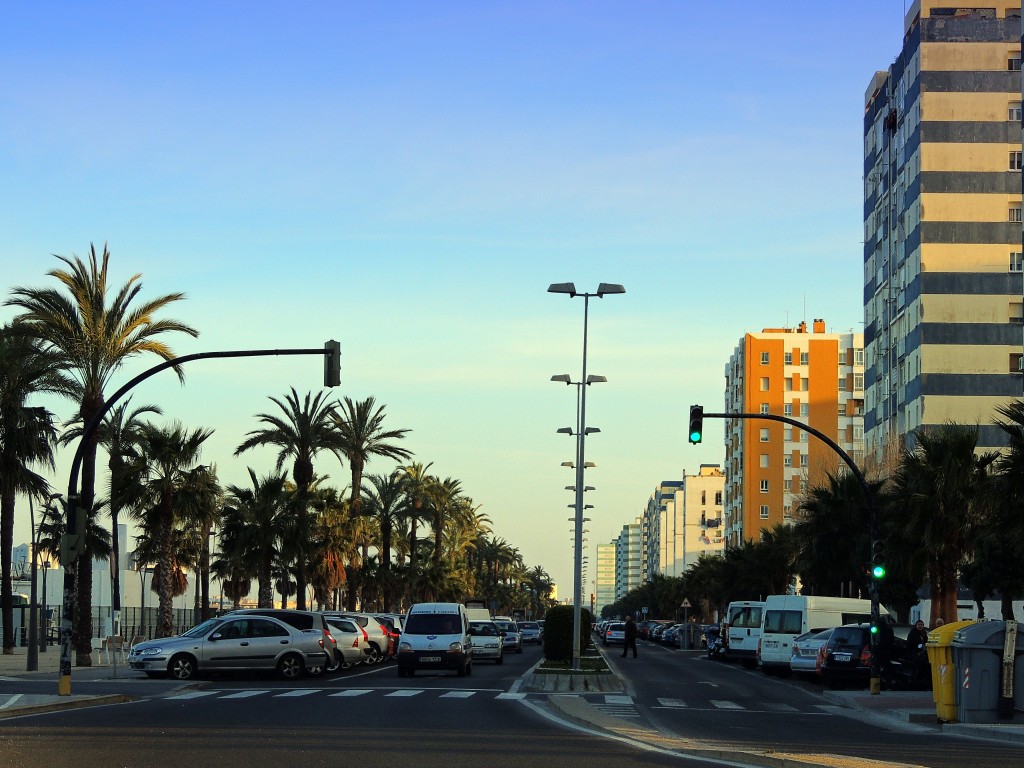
(876, 685)
(331, 350)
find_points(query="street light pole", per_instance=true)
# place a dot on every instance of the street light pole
(581, 433)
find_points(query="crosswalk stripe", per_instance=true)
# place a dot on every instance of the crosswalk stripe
(302, 692)
(513, 696)
(192, 695)
(405, 692)
(612, 698)
(678, 703)
(457, 694)
(726, 704)
(779, 707)
(353, 692)
(244, 694)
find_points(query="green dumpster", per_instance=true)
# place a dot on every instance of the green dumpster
(940, 657)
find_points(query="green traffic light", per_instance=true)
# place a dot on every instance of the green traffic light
(695, 437)
(878, 571)
(874, 629)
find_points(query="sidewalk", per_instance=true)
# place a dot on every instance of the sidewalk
(14, 667)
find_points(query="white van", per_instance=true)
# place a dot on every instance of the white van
(435, 636)
(788, 616)
(743, 630)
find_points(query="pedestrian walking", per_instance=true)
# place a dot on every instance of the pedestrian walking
(630, 635)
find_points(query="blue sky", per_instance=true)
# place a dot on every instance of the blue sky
(409, 177)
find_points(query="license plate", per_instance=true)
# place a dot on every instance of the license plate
(771, 644)
(841, 657)
(429, 659)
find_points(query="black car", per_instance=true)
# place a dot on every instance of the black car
(847, 659)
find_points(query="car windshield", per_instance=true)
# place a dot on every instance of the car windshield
(201, 629)
(846, 637)
(483, 629)
(530, 625)
(432, 624)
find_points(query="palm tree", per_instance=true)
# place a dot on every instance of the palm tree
(165, 480)
(27, 437)
(300, 432)
(363, 436)
(940, 487)
(386, 502)
(92, 340)
(253, 524)
(117, 432)
(416, 486)
(445, 498)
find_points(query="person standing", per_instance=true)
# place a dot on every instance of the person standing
(630, 635)
(917, 642)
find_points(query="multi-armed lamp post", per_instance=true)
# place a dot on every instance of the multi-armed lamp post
(581, 432)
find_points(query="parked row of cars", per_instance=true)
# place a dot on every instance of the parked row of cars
(289, 642)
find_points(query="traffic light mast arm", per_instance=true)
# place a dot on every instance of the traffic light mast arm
(869, 497)
(76, 508)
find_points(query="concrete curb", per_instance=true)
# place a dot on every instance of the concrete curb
(63, 702)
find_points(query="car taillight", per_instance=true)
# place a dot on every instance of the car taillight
(330, 638)
(355, 641)
(366, 637)
(865, 656)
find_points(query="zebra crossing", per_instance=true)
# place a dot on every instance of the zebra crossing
(348, 693)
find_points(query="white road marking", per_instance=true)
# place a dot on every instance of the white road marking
(457, 694)
(244, 694)
(611, 698)
(352, 692)
(672, 703)
(193, 695)
(405, 692)
(301, 692)
(10, 701)
(513, 696)
(726, 704)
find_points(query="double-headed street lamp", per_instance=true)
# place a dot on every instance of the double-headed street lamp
(603, 289)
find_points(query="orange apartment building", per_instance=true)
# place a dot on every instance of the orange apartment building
(814, 377)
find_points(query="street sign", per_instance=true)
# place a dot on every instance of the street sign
(686, 604)
(644, 610)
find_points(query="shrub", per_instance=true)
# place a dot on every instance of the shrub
(558, 632)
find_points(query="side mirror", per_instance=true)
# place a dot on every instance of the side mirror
(216, 636)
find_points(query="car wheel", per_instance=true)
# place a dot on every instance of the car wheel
(182, 667)
(463, 669)
(469, 667)
(290, 666)
(314, 670)
(335, 665)
(373, 655)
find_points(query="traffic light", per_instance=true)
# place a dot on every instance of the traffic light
(696, 423)
(332, 363)
(878, 559)
(72, 543)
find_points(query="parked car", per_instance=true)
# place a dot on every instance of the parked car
(846, 659)
(487, 641)
(300, 620)
(353, 643)
(377, 634)
(392, 622)
(614, 634)
(530, 632)
(511, 640)
(232, 643)
(804, 659)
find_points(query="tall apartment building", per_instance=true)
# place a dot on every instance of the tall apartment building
(942, 223)
(604, 583)
(629, 555)
(816, 378)
(684, 518)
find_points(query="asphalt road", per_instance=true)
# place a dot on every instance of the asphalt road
(692, 697)
(369, 716)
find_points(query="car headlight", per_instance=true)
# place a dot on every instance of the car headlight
(405, 648)
(455, 647)
(150, 652)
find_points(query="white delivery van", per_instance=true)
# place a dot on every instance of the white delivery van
(743, 630)
(435, 636)
(786, 617)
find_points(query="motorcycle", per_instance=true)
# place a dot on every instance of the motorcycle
(716, 644)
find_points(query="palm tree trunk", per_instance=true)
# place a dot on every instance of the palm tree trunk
(265, 595)
(165, 614)
(204, 569)
(301, 564)
(6, 545)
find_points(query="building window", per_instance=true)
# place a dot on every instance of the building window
(718, 498)
(764, 407)
(787, 461)
(842, 409)
(787, 409)
(764, 486)
(1015, 213)
(842, 383)
(789, 385)
(787, 358)
(1013, 62)
(803, 436)
(764, 511)
(858, 431)
(1015, 362)
(1016, 261)
(764, 461)
(764, 355)
(805, 384)
(803, 459)
(764, 434)
(787, 512)
(804, 359)
(788, 434)
(1014, 112)
(1016, 159)
(764, 379)
(804, 409)
(858, 357)
(858, 382)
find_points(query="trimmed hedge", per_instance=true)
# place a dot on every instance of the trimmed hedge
(558, 632)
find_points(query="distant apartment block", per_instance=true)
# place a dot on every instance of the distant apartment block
(814, 377)
(942, 224)
(684, 518)
(629, 555)
(604, 584)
